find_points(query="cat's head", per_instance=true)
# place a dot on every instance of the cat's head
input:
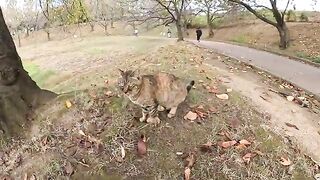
(128, 81)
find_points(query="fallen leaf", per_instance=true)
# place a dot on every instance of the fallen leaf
(290, 98)
(223, 96)
(191, 159)
(248, 157)
(227, 144)
(212, 89)
(240, 146)
(187, 173)
(213, 110)
(69, 170)
(68, 104)
(229, 90)
(123, 152)
(245, 142)
(191, 116)
(292, 125)
(285, 161)
(259, 153)
(201, 114)
(142, 147)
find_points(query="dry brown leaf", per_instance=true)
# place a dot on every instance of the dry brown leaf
(69, 170)
(142, 146)
(292, 125)
(259, 152)
(191, 159)
(68, 104)
(248, 157)
(285, 161)
(213, 110)
(240, 146)
(187, 173)
(227, 144)
(223, 96)
(245, 142)
(123, 152)
(191, 116)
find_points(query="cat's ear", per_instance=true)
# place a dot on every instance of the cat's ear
(121, 72)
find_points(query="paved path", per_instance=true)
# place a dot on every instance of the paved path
(303, 75)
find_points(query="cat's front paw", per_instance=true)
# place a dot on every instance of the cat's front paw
(153, 120)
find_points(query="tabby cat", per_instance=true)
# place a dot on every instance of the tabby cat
(153, 93)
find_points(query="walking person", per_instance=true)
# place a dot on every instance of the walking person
(199, 34)
(169, 33)
(136, 32)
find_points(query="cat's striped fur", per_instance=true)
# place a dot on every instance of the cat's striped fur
(154, 93)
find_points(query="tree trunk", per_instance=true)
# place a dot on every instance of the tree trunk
(106, 30)
(284, 36)
(19, 39)
(209, 24)
(18, 92)
(28, 32)
(91, 26)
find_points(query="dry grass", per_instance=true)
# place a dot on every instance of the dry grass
(110, 122)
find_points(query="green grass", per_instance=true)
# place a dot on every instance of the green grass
(315, 59)
(240, 39)
(37, 74)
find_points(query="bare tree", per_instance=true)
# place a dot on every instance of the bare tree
(18, 92)
(278, 21)
(47, 11)
(175, 9)
(214, 9)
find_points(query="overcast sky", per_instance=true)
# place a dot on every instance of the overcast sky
(306, 5)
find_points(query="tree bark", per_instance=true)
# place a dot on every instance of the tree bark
(209, 24)
(91, 26)
(18, 92)
(179, 30)
(284, 36)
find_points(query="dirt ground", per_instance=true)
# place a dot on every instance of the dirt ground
(91, 131)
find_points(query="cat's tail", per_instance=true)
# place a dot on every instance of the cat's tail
(190, 85)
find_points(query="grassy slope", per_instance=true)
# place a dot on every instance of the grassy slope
(54, 139)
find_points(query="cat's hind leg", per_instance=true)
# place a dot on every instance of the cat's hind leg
(172, 112)
(144, 115)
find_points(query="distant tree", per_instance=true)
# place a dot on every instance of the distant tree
(18, 92)
(175, 9)
(304, 17)
(214, 10)
(277, 21)
(291, 16)
(47, 9)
